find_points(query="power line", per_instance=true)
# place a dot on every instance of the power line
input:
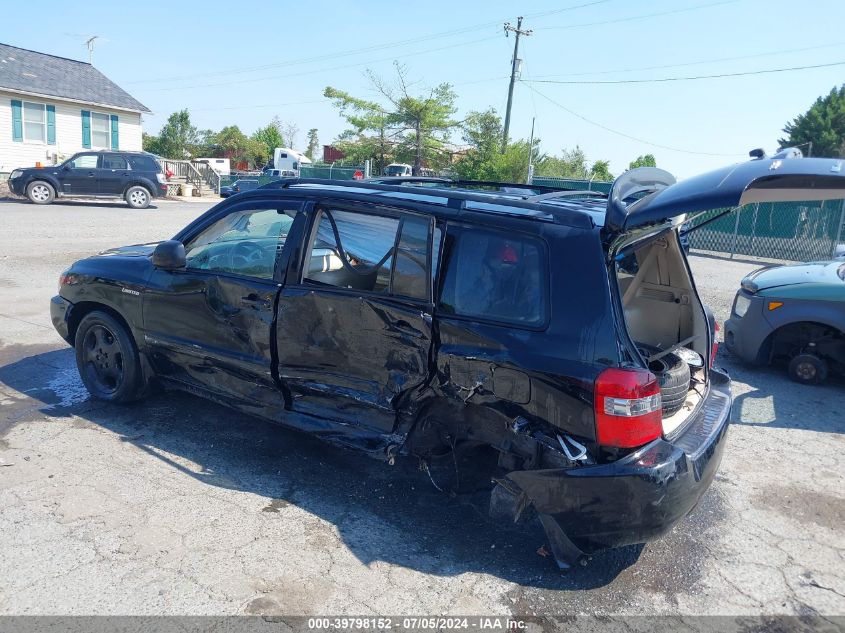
(696, 63)
(667, 79)
(623, 134)
(637, 17)
(321, 70)
(365, 49)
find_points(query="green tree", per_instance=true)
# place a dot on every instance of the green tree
(418, 125)
(368, 136)
(601, 171)
(313, 144)
(270, 136)
(646, 160)
(177, 137)
(239, 148)
(823, 125)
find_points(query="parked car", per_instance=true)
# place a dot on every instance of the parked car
(794, 314)
(446, 323)
(242, 184)
(135, 177)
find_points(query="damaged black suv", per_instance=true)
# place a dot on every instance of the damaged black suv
(431, 318)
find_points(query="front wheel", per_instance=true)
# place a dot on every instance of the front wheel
(107, 359)
(808, 369)
(138, 197)
(40, 192)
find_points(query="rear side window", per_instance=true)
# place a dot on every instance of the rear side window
(113, 161)
(142, 163)
(495, 276)
(371, 253)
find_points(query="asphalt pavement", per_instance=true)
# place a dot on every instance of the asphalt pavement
(178, 506)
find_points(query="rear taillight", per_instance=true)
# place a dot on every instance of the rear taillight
(628, 408)
(715, 347)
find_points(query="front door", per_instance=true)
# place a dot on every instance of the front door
(210, 325)
(80, 176)
(354, 329)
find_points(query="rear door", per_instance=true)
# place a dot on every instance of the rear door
(762, 180)
(113, 174)
(354, 327)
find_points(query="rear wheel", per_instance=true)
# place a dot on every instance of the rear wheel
(138, 197)
(107, 359)
(808, 369)
(40, 192)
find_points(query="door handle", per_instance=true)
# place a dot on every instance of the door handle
(90, 173)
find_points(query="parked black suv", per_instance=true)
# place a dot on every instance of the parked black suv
(136, 177)
(443, 319)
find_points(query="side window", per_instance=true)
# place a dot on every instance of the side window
(245, 242)
(352, 250)
(410, 273)
(142, 163)
(85, 161)
(114, 161)
(495, 276)
(371, 253)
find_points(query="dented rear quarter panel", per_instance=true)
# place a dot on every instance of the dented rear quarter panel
(543, 374)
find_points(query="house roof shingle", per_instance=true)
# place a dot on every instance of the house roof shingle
(40, 73)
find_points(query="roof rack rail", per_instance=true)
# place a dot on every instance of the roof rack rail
(567, 193)
(455, 198)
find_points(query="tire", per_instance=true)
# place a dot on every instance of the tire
(808, 369)
(673, 376)
(138, 197)
(40, 192)
(107, 359)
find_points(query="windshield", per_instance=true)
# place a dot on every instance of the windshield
(396, 170)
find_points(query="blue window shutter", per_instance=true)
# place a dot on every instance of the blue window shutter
(51, 125)
(86, 129)
(114, 140)
(17, 121)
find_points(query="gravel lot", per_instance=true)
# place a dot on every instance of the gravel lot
(177, 506)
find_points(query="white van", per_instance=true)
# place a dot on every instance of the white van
(221, 165)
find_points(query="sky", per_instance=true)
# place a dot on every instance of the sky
(231, 64)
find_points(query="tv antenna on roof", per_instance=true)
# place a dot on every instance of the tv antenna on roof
(90, 44)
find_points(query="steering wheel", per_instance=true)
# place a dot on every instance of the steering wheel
(243, 254)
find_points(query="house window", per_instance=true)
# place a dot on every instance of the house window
(34, 122)
(100, 130)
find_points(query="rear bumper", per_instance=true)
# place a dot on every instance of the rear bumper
(59, 313)
(640, 497)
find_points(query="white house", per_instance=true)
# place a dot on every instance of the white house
(52, 107)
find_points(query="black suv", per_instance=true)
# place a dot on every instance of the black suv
(559, 331)
(136, 177)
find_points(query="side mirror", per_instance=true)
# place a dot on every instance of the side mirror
(169, 255)
(66, 167)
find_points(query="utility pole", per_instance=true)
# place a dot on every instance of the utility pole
(531, 154)
(514, 63)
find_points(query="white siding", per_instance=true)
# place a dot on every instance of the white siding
(68, 133)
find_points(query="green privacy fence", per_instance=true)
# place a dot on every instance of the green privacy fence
(793, 231)
(569, 183)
